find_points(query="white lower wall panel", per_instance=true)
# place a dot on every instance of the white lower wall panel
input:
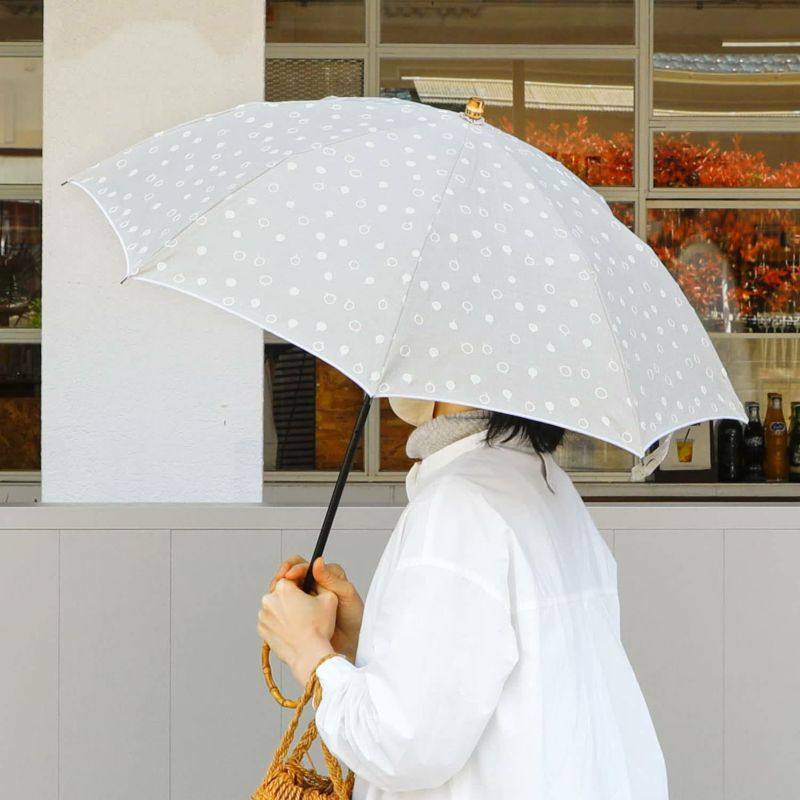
(717, 661)
(225, 726)
(762, 665)
(28, 664)
(114, 641)
(670, 586)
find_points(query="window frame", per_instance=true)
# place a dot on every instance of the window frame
(642, 195)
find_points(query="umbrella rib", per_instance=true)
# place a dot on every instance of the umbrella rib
(456, 161)
(579, 246)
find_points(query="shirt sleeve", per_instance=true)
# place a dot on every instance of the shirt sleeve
(444, 646)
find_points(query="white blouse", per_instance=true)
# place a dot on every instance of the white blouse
(489, 664)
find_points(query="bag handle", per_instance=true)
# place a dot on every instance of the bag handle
(342, 788)
(271, 685)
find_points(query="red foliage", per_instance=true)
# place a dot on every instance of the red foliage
(732, 264)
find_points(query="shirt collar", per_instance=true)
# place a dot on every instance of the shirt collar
(422, 470)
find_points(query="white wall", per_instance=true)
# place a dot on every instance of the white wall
(148, 395)
(130, 663)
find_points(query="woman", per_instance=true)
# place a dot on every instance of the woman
(488, 663)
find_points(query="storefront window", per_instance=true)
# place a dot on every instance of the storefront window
(714, 64)
(21, 20)
(315, 21)
(716, 160)
(508, 21)
(740, 268)
(726, 57)
(578, 112)
(20, 264)
(20, 119)
(20, 407)
(309, 411)
(313, 78)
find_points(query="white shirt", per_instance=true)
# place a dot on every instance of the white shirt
(489, 665)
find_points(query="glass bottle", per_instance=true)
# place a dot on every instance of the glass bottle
(730, 450)
(794, 444)
(753, 443)
(776, 461)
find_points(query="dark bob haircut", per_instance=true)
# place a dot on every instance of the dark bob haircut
(545, 438)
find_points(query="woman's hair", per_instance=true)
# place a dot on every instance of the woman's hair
(544, 437)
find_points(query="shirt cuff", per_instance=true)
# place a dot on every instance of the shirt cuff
(332, 673)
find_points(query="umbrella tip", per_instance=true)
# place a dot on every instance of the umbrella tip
(474, 109)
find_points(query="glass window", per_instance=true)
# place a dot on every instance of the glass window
(508, 21)
(625, 212)
(313, 78)
(763, 364)
(20, 119)
(726, 57)
(21, 20)
(710, 160)
(20, 264)
(740, 268)
(309, 412)
(315, 21)
(579, 112)
(20, 406)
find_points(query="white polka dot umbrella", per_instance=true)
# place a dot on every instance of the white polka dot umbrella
(423, 254)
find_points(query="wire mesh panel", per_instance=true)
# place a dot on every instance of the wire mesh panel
(313, 78)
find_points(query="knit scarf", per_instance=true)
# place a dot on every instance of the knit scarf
(443, 430)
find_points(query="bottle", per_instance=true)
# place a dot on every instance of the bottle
(753, 444)
(776, 461)
(730, 450)
(794, 444)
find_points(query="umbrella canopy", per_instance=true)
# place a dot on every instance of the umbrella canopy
(423, 254)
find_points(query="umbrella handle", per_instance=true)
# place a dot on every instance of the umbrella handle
(341, 480)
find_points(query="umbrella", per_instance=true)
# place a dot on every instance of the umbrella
(424, 254)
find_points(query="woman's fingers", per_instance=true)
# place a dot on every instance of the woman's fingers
(287, 565)
(295, 568)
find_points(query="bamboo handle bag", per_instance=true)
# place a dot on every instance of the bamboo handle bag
(286, 777)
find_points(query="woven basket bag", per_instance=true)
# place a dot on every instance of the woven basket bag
(286, 777)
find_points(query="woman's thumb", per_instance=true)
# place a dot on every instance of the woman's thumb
(324, 576)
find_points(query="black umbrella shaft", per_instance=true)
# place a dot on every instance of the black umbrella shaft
(308, 583)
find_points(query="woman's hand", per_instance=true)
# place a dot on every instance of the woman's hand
(298, 626)
(332, 577)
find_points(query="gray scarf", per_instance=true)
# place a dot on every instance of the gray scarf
(443, 430)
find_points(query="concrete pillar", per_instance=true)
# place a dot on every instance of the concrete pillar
(148, 395)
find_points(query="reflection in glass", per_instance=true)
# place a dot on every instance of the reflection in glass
(315, 21)
(624, 212)
(740, 268)
(20, 108)
(313, 78)
(20, 264)
(21, 20)
(726, 57)
(579, 112)
(759, 365)
(763, 160)
(20, 406)
(508, 21)
(309, 412)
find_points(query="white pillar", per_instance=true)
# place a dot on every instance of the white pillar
(148, 395)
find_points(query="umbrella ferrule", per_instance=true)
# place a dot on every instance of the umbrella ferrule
(474, 109)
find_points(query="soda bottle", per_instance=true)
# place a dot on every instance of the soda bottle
(794, 445)
(776, 453)
(730, 450)
(753, 444)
